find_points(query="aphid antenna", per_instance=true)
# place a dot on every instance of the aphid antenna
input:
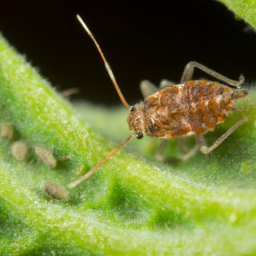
(110, 73)
(88, 174)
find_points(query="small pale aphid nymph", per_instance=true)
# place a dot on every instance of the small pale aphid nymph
(19, 150)
(46, 155)
(6, 130)
(55, 191)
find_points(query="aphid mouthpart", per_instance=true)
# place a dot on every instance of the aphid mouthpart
(56, 191)
(174, 111)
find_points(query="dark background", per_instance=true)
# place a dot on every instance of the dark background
(141, 40)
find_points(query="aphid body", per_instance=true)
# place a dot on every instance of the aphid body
(191, 108)
(6, 131)
(19, 150)
(56, 191)
(46, 155)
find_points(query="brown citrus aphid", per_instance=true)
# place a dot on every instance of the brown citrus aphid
(56, 191)
(19, 150)
(174, 111)
(46, 155)
(7, 131)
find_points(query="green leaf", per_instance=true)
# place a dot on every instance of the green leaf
(133, 205)
(244, 9)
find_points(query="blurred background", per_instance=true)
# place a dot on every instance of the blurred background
(141, 40)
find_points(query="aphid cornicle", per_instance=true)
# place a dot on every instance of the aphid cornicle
(173, 111)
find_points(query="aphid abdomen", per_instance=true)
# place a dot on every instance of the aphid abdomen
(190, 108)
(203, 106)
(210, 104)
(239, 94)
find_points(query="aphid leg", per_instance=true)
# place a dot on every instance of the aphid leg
(159, 155)
(160, 150)
(189, 70)
(207, 150)
(147, 88)
(165, 83)
(199, 142)
(182, 142)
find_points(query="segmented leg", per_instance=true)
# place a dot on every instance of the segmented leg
(189, 70)
(160, 150)
(165, 83)
(159, 153)
(199, 142)
(182, 142)
(207, 150)
(147, 88)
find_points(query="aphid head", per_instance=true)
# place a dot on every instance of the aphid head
(135, 120)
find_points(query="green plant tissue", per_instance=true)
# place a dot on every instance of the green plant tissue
(132, 205)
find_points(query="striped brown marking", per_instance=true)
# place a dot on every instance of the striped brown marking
(194, 107)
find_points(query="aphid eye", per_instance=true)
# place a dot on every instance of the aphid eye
(139, 135)
(132, 109)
